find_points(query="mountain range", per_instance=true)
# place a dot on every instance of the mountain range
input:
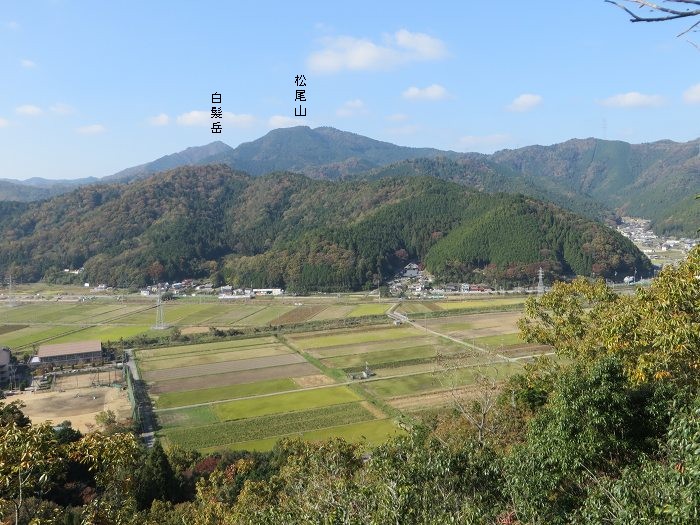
(596, 178)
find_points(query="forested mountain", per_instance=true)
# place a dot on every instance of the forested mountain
(197, 155)
(288, 230)
(32, 190)
(657, 180)
(323, 153)
(597, 178)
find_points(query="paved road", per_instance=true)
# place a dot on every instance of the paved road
(143, 402)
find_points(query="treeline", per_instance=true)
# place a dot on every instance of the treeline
(290, 231)
(606, 433)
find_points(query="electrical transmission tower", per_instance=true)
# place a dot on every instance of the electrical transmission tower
(160, 316)
(540, 284)
(10, 297)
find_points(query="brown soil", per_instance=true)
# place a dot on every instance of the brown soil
(378, 414)
(79, 406)
(299, 314)
(194, 330)
(234, 378)
(313, 380)
(219, 368)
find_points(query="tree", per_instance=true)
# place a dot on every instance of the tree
(671, 10)
(656, 332)
(29, 457)
(155, 479)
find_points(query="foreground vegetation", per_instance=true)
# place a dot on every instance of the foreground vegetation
(610, 434)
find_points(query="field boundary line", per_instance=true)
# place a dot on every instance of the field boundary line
(458, 341)
(318, 387)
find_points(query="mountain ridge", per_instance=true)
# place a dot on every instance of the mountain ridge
(598, 178)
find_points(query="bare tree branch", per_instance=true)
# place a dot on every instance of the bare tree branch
(671, 14)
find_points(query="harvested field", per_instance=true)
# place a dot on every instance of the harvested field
(300, 314)
(313, 381)
(347, 337)
(332, 312)
(472, 326)
(221, 368)
(204, 347)
(434, 399)
(190, 330)
(234, 378)
(374, 346)
(224, 356)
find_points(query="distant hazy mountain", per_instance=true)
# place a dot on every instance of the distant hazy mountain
(197, 155)
(320, 153)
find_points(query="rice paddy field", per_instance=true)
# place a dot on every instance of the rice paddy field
(111, 318)
(249, 392)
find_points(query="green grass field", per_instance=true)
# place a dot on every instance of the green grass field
(369, 309)
(494, 342)
(375, 346)
(364, 335)
(333, 312)
(280, 403)
(480, 303)
(418, 383)
(208, 395)
(263, 427)
(379, 358)
(369, 432)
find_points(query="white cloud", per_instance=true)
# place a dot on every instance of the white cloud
(27, 64)
(397, 117)
(282, 121)
(203, 118)
(632, 99)
(351, 107)
(194, 118)
(4, 122)
(483, 143)
(524, 102)
(62, 109)
(159, 120)
(360, 54)
(12, 25)
(424, 47)
(28, 110)
(692, 94)
(433, 92)
(92, 129)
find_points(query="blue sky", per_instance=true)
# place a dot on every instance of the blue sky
(90, 88)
